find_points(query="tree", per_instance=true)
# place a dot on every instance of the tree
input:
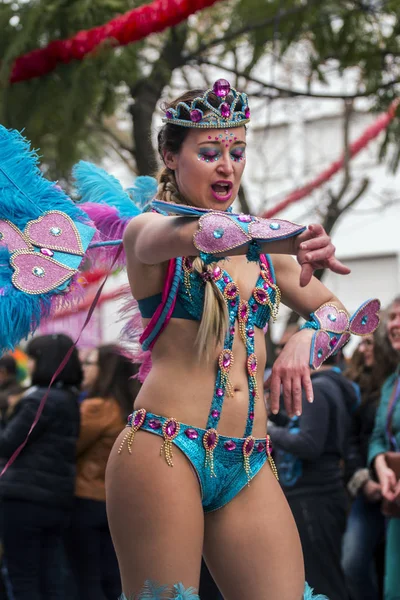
(76, 111)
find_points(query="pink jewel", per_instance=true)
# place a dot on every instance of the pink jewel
(250, 333)
(216, 272)
(196, 115)
(226, 359)
(220, 392)
(260, 447)
(211, 438)
(333, 342)
(260, 295)
(254, 308)
(139, 418)
(235, 138)
(253, 393)
(231, 291)
(170, 428)
(248, 446)
(243, 311)
(244, 218)
(216, 137)
(169, 114)
(226, 279)
(252, 364)
(247, 113)
(154, 424)
(232, 331)
(215, 414)
(225, 110)
(46, 252)
(221, 88)
(209, 137)
(233, 303)
(265, 285)
(230, 445)
(226, 146)
(191, 433)
(251, 416)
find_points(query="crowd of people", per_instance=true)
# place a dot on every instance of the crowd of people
(344, 495)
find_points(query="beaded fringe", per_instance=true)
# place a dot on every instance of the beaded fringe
(153, 591)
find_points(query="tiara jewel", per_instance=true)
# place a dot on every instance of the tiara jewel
(219, 107)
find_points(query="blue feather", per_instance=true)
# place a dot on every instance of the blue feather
(182, 593)
(20, 313)
(143, 190)
(152, 591)
(95, 185)
(24, 193)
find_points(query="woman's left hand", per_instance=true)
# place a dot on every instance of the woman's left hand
(314, 250)
(291, 373)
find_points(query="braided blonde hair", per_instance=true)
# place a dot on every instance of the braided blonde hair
(214, 321)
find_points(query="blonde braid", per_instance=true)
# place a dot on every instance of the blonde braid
(167, 189)
(214, 321)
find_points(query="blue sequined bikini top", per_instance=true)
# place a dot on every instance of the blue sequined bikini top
(190, 295)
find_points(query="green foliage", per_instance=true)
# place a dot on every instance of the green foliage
(63, 113)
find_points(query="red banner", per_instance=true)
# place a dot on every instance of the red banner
(125, 29)
(369, 134)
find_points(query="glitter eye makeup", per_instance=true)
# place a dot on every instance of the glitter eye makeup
(238, 154)
(208, 155)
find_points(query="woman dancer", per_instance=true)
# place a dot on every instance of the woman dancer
(209, 492)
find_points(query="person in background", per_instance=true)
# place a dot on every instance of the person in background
(372, 362)
(309, 451)
(8, 382)
(386, 437)
(37, 492)
(111, 388)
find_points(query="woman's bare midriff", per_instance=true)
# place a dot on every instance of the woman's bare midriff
(181, 384)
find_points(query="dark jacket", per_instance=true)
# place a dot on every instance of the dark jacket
(310, 449)
(44, 472)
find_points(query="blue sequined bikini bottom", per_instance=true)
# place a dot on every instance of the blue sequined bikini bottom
(224, 465)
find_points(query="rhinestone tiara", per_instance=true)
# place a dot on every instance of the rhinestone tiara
(233, 109)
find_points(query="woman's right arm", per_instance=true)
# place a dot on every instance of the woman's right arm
(379, 445)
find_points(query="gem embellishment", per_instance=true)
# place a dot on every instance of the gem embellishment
(210, 442)
(245, 218)
(154, 424)
(218, 233)
(225, 363)
(231, 291)
(225, 110)
(221, 88)
(248, 447)
(364, 320)
(187, 268)
(247, 113)
(229, 445)
(332, 317)
(46, 252)
(270, 459)
(38, 271)
(56, 231)
(136, 421)
(170, 430)
(196, 115)
(215, 414)
(243, 315)
(1, 236)
(252, 371)
(274, 226)
(191, 433)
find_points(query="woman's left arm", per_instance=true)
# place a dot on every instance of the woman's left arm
(291, 370)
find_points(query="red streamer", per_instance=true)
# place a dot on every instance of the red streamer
(130, 27)
(369, 134)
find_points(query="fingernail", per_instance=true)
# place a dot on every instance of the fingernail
(303, 246)
(311, 399)
(275, 411)
(298, 413)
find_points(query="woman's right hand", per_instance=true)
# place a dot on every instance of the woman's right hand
(387, 478)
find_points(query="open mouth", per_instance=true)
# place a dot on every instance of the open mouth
(222, 190)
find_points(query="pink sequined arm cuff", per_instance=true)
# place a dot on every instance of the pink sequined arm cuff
(221, 231)
(334, 328)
